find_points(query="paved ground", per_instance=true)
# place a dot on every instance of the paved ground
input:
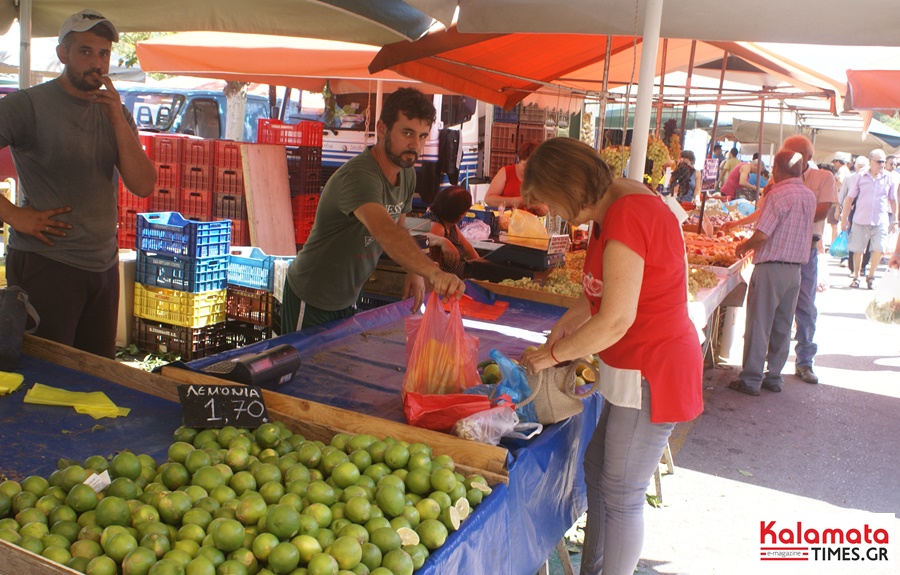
(808, 450)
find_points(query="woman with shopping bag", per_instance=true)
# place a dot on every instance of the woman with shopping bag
(634, 314)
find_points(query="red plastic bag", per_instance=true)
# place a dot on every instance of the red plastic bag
(441, 360)
(441, 412)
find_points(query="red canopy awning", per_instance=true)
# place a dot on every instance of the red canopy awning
(873, 90)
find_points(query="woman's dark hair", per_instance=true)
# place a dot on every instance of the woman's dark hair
(689, 155)
(526, 149)
(414, 104)
(450, 204)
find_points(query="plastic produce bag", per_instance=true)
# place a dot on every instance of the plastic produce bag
(476, 231)
(514, 384)
(838, 247)
(488, 426)
(441, 360)
(885, 307)
(526, 229)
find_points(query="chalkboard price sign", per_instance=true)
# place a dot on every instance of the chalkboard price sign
(220, 405)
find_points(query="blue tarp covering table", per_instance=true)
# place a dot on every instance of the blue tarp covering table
(358, 364)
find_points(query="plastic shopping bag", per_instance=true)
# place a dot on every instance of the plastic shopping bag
(476, 231)
(885, 307)
(488, 426)
(527, 230)
(822, 273)
(838, 247)
(441, 363)
(514, 384)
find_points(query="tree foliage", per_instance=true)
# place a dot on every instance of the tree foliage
(125, 48)
(889, 121)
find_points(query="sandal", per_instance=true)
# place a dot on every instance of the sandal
(742, 387)
(854, 283)
(870, 283)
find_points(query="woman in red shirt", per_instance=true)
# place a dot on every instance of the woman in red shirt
(506, 184)
(634, 314)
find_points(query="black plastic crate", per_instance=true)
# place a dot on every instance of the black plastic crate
(240, 334)
(186, 342)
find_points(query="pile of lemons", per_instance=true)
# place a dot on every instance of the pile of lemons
(245, 502)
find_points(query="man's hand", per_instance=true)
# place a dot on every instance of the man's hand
(741, 250)
(845, 224)
(40, 224)
(414, 287)
(109, 98)
(446, 285)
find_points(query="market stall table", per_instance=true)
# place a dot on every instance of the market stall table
(358, 364)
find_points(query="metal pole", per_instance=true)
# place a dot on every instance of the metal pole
(379, 97)
(762, 117)
(687, 91)
(718, 104)
(24, 44)
(780, 122)
(641, 137)
(601, 121)
(662, 83)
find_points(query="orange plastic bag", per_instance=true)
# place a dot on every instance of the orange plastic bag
(441, 360)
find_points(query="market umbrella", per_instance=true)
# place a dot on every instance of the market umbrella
(503, 68)
(302, 63)
(345, 20)
(798, 21)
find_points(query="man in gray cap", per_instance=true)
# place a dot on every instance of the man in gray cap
(69, 137)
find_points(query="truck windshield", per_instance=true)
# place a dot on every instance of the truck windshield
(156, 111)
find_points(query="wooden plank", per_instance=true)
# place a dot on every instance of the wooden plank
(17, 561)
(268, 197)
(302, 413)
(528, 294)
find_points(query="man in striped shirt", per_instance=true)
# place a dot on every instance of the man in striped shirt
(780, 245)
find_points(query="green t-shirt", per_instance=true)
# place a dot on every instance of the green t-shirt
(341, 254)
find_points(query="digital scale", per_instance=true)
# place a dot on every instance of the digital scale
(530, 257)
(268, 369)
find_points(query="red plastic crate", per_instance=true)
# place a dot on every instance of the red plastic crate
(168, 175)
(147, 143)
(227, 154)
(271, 131)
(167, 149)
(198, 152)
(165, 200)
(197, 177)
(229, 180)
(501, 159)
(240, 231)
(126, 240)
(230, 206)
(129, 200)
(196, 205)
(503, 137)
(249, 305)
(304, 213)
(304, 170)
(127, 219)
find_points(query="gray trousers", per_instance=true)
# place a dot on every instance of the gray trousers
(618, 465)
(771, 300)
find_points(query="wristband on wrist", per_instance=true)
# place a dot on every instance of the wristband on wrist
(553, 357)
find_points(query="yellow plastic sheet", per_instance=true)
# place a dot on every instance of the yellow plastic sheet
(9, 382)
(94, 403)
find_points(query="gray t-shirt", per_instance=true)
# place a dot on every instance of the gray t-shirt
(65, 154)
(340, 255)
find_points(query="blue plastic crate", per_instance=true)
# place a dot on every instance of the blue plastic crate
(181, 272)
(507, 116)
(170, 233)
(486, 216)
(251, 267)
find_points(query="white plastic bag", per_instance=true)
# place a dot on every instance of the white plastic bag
(885, 307)
(822, 274)
(476, 231)
(487, 426)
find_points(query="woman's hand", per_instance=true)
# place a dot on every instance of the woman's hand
(539, 359)
(449, 251)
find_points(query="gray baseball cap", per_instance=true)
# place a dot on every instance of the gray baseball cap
(84, 21)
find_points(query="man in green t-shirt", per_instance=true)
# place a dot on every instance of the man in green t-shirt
(362, 212)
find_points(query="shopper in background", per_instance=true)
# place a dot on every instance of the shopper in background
(860, 165)
(362, 213)
(821, 183)
(737, 184)
(875, 195)
(685, 178)
(447, 209)
(726, 166)
(68, 138)
(505, 188)
(780, 245)
(634, 278)
(841, 173)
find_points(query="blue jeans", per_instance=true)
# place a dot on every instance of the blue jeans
(806, 313)
(618, 465)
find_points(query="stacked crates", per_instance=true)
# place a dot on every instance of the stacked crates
(229, 201)
(180, 284)
(303, 143)
(511, 129)
(251, 309)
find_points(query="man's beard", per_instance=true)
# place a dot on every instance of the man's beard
(399, 159)
(85, 82)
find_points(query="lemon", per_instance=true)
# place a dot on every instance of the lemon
(200, 566)
(192, 531)
(231, 567)
(263, 544)
(347, 551)
(166, 567)
(398, 562)
(284, 558)
(358, 510)
(113, 510)
(125, 464)
(32, 544)
(428, 508)
(138, 561)
(228, 535)
(282, 521)
(432, 533)
(361, 441)
(418, 481)
(82, 498)
(77, 564)
(307, 546)
(390, 500)
(101, 565)
(450, 518)
(251, 509)
(119, 545)
(268, 435)
(386, 539)
(322, 564)
(173, 506)
(86, 548)
(321, 492)
(345, 474)
(418, 553)
(396, 456)
(371, 556)
(444, 461)
(196, 516)
(266, 472)
(443, 499)
(358, 532)
(35, 484)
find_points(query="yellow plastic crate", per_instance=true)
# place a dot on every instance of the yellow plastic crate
(179, 308)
